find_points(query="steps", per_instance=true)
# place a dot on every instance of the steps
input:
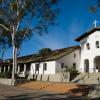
(71, 88)
(87, 78)
(79, 78)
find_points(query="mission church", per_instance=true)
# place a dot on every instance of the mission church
(84, 58)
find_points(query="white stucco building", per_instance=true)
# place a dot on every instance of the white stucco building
(46, 67)
(90, 51)
(84, 58)
(57, 60)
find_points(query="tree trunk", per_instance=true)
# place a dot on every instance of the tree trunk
(14, 58)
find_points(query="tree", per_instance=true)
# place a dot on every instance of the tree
(20, 19)
(95, 8)
(44, 51)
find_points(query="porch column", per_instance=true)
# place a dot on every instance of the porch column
(8, 68)
(24, 68)
(91, 66)
(4, 70)
(18, 71)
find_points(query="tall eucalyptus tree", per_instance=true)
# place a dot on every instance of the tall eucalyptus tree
(20, 19)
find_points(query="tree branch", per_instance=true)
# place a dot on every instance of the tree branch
(4, 27)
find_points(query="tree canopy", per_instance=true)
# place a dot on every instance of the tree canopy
(44, 51)
(96, 8)
(27, 17)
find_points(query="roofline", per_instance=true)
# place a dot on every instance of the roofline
(68, 53)
(87, 34)
(77, 47)
(61, 56)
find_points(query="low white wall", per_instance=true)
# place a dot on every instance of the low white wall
(5, 81)
(56, 78)
(45, 77)
(60, 77)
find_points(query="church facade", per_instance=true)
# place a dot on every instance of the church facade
(90, 51)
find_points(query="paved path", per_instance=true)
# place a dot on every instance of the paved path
(13, 93)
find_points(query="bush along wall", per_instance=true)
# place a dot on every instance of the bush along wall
(5, 75)
(73, 73)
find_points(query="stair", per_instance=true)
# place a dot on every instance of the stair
(87, 78)
(71, 88)
(79, 78)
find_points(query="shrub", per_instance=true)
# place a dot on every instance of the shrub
(1, 75)
(73, 73)
(5, 75)
(8, 75)
(45, 51)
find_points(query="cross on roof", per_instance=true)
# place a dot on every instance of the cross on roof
(95, 23)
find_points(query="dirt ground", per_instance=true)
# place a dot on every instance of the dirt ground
(71, 88)
(15, 93)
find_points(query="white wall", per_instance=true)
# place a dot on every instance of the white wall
(92, 53)
(5, 81)
(68, 60)
(50, 68)
(55, 66)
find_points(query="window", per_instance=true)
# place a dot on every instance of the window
(96, 67)
(74, 66)
(45, 66)
(74, 55)
(88, 46)
(62, 65)
(37, 67)
(97, 44)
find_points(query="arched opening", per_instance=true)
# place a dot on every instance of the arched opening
(86, 65)
(97, 63)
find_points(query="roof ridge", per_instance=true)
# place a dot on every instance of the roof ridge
(87, 33)
(66, 48)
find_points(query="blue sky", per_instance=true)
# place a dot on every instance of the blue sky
(75, 19)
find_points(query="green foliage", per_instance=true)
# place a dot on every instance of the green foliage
(72, 70)
(73, 73)
(95, 8)
(1, 75)
(45, 51)
(28, 17)
(5, 75)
